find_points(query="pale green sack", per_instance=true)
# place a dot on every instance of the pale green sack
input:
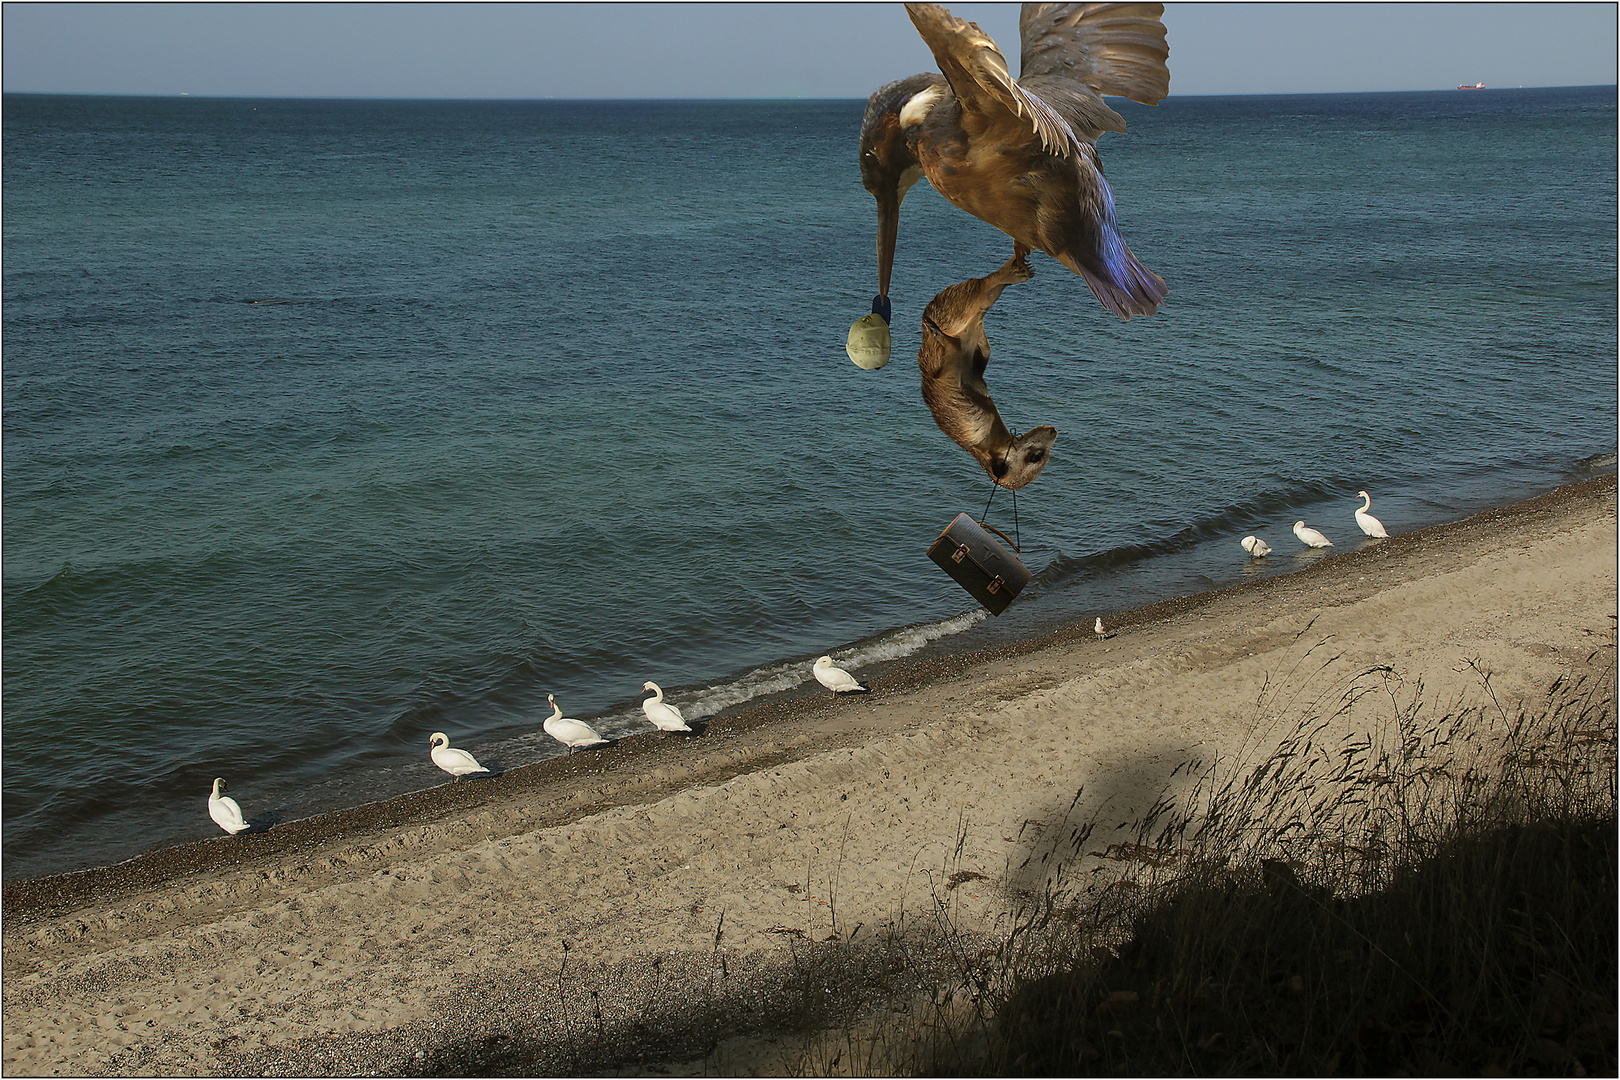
(868, 343)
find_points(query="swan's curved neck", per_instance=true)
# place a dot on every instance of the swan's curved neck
(1366, 503)
(658, 692)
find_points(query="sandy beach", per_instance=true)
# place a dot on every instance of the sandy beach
(660, 896)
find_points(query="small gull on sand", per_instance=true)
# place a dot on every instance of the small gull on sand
(571, 733)
(1310, 536)
(1256, 547)
(1369, 524)
(223, 809)
(835, 678)
(661, 714)
(457, 763)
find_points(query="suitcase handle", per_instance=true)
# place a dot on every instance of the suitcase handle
(1003, 535)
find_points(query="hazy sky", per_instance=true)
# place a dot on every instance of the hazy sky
(754, 50)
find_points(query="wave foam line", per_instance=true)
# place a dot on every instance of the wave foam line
(786, 676)
(774, 678)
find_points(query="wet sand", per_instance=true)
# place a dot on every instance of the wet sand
(655, 896)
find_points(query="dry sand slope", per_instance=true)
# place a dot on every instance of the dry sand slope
(371, 941)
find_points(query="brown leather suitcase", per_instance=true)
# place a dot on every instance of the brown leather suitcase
(989, 570)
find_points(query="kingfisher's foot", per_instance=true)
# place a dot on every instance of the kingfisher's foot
(1011, 272)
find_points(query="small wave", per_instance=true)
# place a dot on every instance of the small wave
(65, 587)
(1598, 461)
(774, 678)
(1228, 520)
(910, 639)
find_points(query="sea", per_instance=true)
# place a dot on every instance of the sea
(331, 424)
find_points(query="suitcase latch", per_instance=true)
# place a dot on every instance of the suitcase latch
(960, 553)
(995, 585)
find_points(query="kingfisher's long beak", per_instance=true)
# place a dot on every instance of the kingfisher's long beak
(888, 233)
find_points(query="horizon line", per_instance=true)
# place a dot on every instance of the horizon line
(558, 99)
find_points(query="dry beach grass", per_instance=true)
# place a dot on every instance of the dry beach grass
(869, 868)
(1443, 904)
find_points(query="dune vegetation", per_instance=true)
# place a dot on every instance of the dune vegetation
(1444, 904)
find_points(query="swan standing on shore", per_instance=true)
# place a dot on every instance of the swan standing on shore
(662, 715)
(571, 733)
(1369, 524)
(835, 678)
(457, 763)
(223, 809)
(1256, 547)
(1310, 536)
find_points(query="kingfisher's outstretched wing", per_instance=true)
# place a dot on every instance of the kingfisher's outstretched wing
(1075, 53)
(1116, 49)
(987, 93)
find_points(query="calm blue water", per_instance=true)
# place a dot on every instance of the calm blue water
(328, 425)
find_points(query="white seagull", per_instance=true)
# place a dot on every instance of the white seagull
(1308, 535)
(1369, 524)
(662, 715)
(223, 809)
(835, 678)
(1098, 628)
(1256, 547)
(571, 733)
(457, 763)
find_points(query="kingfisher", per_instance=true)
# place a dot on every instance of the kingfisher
(1022, 154)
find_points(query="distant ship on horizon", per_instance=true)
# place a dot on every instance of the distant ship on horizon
(1476, 86)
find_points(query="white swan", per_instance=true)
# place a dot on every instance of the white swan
(835, 678)
(1369, 524)
(223, 809)
(662, 715)
(1256, 547)
(571, 733)
(1308, 535)
(457, 763)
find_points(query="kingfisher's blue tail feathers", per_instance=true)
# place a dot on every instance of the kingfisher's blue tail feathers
(1123, 285)
(1098, 254)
